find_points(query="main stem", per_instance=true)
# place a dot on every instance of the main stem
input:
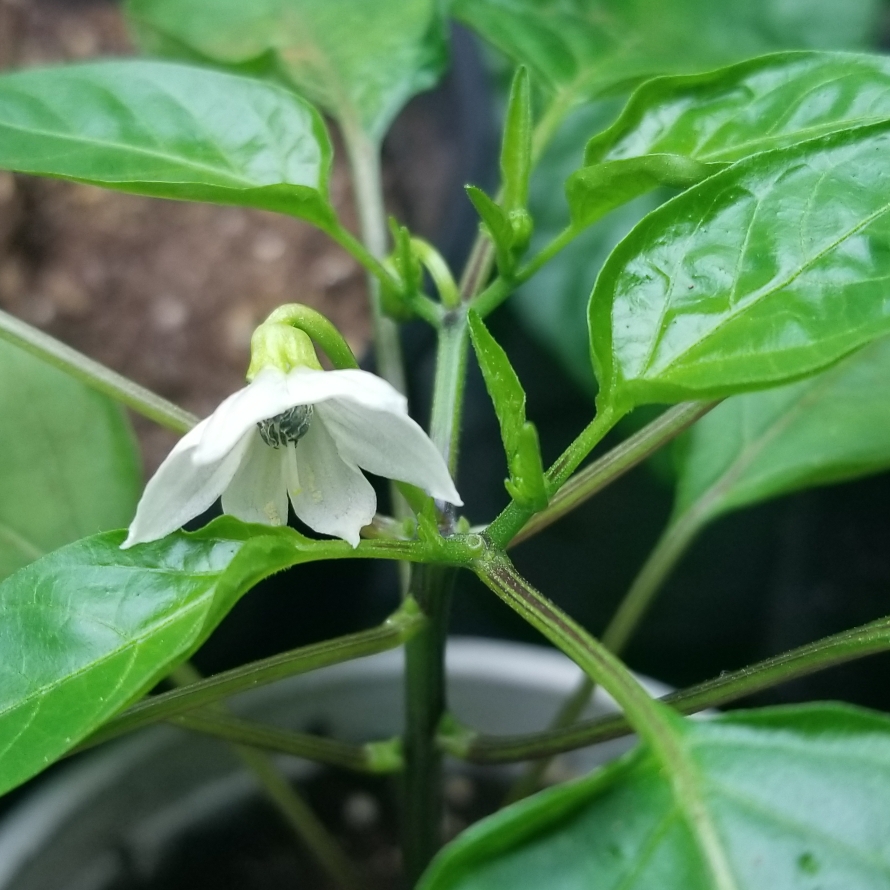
(425, 703)
(425, 690)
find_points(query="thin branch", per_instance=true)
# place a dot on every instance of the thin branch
(869, 639)
(333, 752)
(624, 457)
(400, 627)
(95, 375)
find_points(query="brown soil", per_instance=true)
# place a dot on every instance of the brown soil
(165, 292)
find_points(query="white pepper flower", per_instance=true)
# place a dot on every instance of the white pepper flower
(303, 435)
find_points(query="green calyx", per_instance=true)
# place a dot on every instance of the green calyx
(288, 337)
(277, 345)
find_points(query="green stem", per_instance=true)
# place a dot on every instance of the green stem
(448, 389)
(372, 757)
(371, 264)
(319, 329)
(95, 375)
(478, 268)
(657, 727)
(624, 457)
(305, 824)
(501, 288)
(425, 703)
(868, 639)
(435, 264)
(551, 121)
(400, 626)
(364, 159)
(661, 561)
(512, 519)
(425, 681)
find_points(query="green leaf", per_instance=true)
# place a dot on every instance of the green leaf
(408, 271)
(595, 191)
(360, 61)
(69, 465)
(586, 48)
(89, 628)
(766, 272)
(516, 147)
(678, 130)
(825, 429)
(169, 131)
(761, 104)
(526, 483)
(553, 305)
(500, 229)
(798, 797)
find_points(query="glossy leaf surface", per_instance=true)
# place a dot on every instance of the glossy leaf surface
(770, 270)
(797, 795)
(584, 48)
(360, 61)
(824, 429)
(678, 130)
(554, 304)
(169, 131)
(89, 628)
(70, 466)
(758, 105)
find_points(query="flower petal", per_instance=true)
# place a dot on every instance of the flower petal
(331, 495)
(272, 392)
(258, 491)
(309, 387)
(181, 488)
(388, 444)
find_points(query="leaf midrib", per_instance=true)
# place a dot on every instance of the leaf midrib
(184, 163)
(676, 359)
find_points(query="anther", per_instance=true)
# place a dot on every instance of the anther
(289, 426)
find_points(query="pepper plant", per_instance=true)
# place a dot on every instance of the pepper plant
(748, 298)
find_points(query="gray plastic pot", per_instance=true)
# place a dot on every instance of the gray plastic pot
(130, 800)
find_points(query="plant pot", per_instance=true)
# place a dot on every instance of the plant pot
(117, 813)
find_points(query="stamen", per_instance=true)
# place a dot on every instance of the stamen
(289, 426)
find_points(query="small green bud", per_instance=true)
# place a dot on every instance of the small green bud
(521, 225)
(393, 301)
(281, 346)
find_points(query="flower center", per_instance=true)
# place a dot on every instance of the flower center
(289, 426)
